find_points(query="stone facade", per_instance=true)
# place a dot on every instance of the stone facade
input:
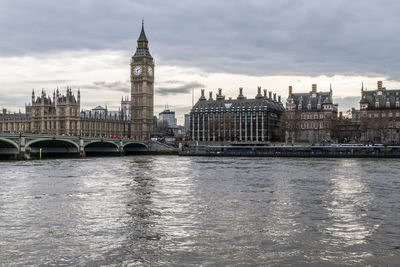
(380, 115)
(310, 117)
(61, 115)
(236, 120)
(142, 90)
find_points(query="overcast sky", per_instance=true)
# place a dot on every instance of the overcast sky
(209, 44)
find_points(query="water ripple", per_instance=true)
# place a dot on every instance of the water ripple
(172, 211)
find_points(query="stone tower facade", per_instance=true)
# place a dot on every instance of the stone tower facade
(142, 90)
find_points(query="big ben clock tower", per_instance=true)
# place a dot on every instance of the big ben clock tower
(142, 90)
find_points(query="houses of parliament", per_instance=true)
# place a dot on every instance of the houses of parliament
(61, 113)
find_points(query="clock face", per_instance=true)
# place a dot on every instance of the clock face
(150, 71)
(137, 70)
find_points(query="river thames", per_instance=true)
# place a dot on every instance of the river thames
(183, 211)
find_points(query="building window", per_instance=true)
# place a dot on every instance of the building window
(309, 116)
(321, 116)
(321, 125)
(316, 116)
(390, 114)
(302, 125)
(369, 115)
(397, 114)
(390, 124)
(376, 115)
(383, 114)
(315, 125)
(397, 124)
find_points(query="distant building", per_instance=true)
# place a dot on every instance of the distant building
(380, 115)
(169, 117)
(347, 129)
(126, 107)
(310, 117)
(61, 115)
(236, 120)
(187, 121)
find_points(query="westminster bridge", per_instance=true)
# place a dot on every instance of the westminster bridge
(25, 146)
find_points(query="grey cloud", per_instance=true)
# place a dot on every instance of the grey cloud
(50, 82)
(346, 103)
(258, 37)
(102, 85)
(184, 88)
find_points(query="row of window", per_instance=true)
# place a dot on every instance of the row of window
(313, 125)
(382, 115)
(387, 105)
(312, 116)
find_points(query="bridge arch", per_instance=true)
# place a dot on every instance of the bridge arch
(8, 147)
(134, 147)
(8, 141)
(103, 146)
(52, 147)
(47, 142)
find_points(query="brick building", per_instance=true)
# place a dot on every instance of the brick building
(310, 117)
(380, 115)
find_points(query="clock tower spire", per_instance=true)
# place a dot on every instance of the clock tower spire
(142, 89)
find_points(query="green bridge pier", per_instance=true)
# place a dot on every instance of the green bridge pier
(27, 146)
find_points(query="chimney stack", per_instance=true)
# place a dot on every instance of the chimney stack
(290, 91)
(202, 97)
(240, 96)
(269, 94)
(259, 95)
(220, 96)
(279, 98)
(275, 96)
(265, 93)
(210, 98)
(4, 111)
(314, 88)
(379, 85)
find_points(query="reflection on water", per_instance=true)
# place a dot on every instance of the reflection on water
(350, 201)
(172, 211)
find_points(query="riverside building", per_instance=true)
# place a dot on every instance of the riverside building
(236, 120)
(61, 115)
(380, 115)
(310, 117)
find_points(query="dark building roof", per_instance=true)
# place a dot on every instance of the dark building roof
(242, 103)
(142, 49)
(142, 37)
(303, 100)
(14, 116)
(381, 98)
(167, 111)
